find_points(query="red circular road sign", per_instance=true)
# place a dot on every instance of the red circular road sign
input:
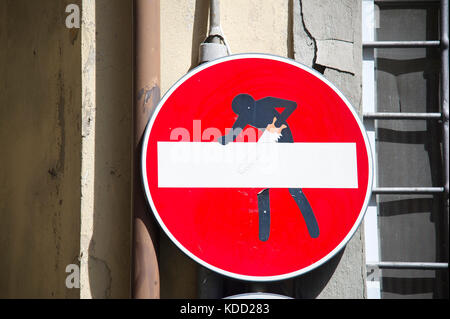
(257, 167)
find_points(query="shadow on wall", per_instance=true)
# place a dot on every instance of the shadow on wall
(110, 246)
(307, 286)
(310, 285)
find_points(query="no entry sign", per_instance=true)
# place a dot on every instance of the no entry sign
(257, 167)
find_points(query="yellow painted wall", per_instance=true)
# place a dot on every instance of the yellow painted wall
(107, 80)
(248, 25)
(40, 105)
(66, 149)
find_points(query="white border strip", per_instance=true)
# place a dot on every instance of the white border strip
(371, 236)
(191, 255)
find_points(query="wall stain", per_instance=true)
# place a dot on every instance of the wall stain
(62, 124)
(100, 278)
(73, 34)
(154, 94)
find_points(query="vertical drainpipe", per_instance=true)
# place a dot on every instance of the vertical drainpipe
(145, 270)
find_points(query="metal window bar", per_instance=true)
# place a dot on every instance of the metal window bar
(402, 116)
(443, 44)
(407, 4)
(408, 265)
(407, 190)
(401, 44)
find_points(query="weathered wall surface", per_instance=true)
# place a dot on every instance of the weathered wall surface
(40, 105)
(106, 147)
(65, 121)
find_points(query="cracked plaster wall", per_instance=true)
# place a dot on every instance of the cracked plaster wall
(327, 37)
(107, 65)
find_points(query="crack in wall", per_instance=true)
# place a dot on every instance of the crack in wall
(317, 66)
(313, 39)
(337, 70)
(335, 39)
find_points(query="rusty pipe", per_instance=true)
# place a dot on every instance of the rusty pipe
(145, 271)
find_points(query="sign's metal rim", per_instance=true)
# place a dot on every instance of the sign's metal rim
(197, 259)
(258, 295)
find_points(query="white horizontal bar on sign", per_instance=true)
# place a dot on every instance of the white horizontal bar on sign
(255, 165)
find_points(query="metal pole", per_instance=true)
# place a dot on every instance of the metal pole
(401, 44)
(444, 93)
(407, 4)
(402, 116)
(213, 48)
(145, 271)
(214, 20)
(408, 265)
(407, 190)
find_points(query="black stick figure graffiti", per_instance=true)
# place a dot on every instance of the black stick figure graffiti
(262, 114)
